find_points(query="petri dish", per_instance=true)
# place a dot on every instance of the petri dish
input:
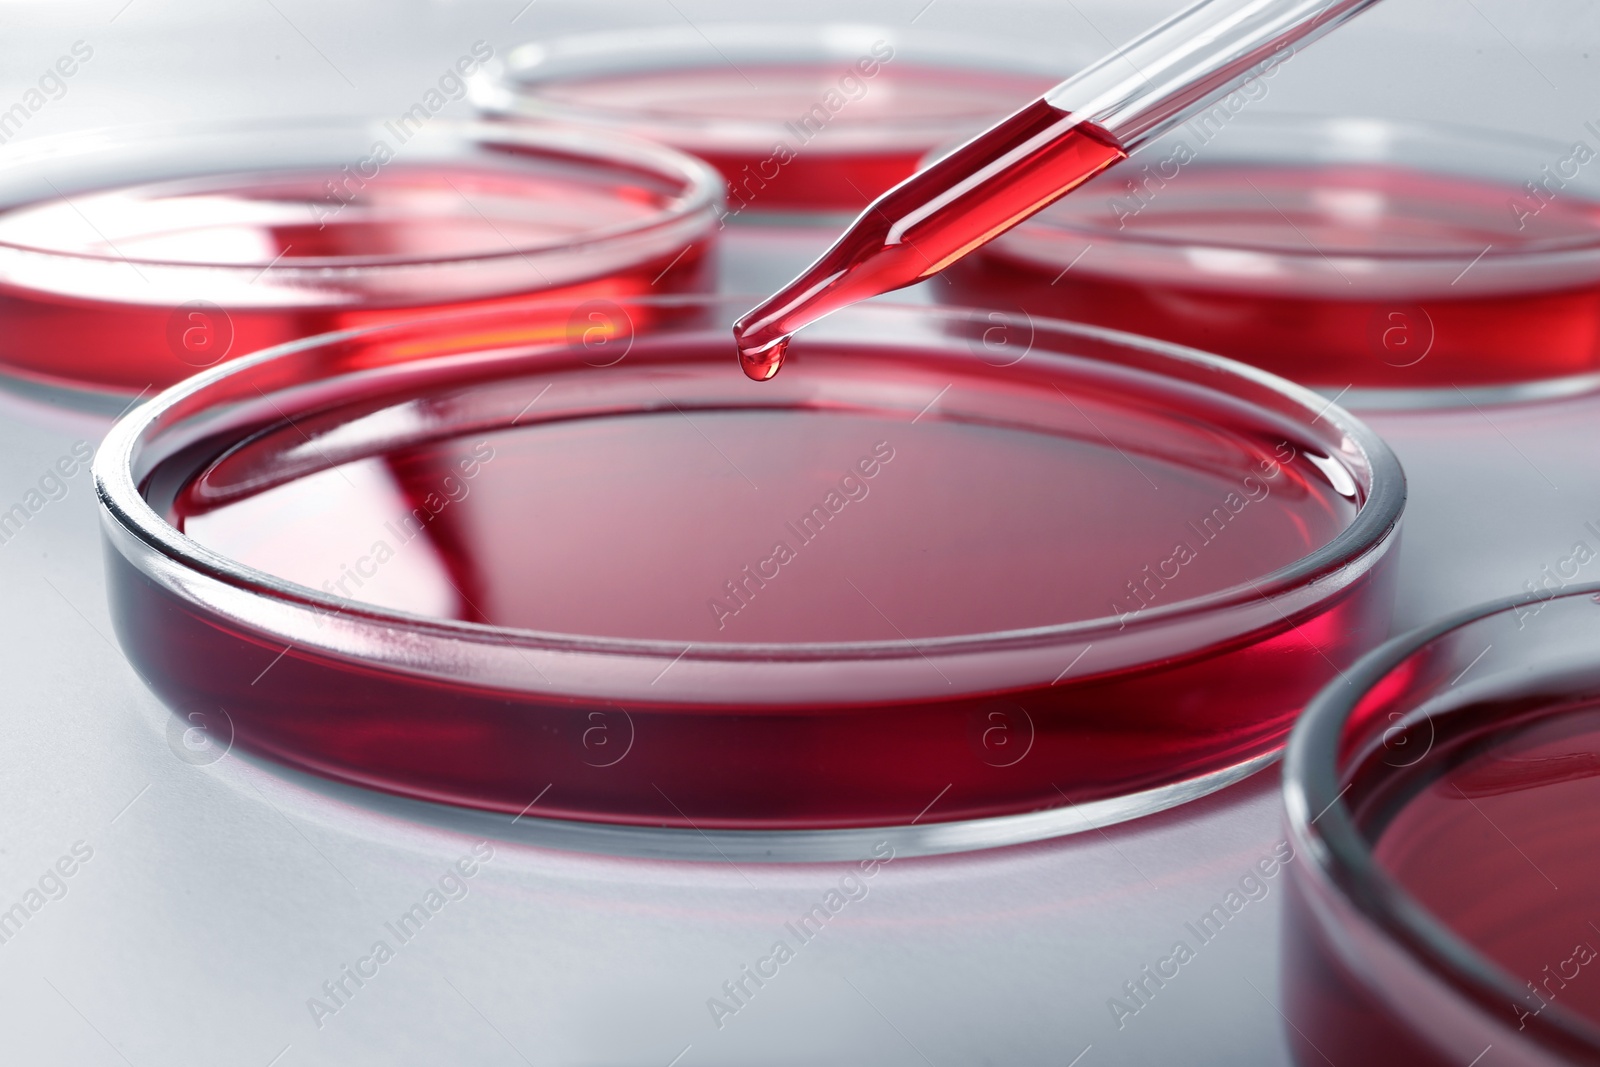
(803, 118)
(597, 577)
(1407, 263)
(131, 258)
(1441, 804)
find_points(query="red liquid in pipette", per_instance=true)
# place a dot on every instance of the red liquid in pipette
(932, 219)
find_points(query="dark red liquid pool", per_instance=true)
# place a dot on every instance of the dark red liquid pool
(1496, 833)
(813, 136)
(661, 499)
(603, 525)
(136, 288)
(1364, 275)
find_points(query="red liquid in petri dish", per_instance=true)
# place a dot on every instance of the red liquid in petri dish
(930, 221)
(786, 135)
(1335, 275)
(770, 515)
(1526, 897)
(1495, 834)
(135, 288)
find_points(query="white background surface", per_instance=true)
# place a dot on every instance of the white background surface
(223, 897)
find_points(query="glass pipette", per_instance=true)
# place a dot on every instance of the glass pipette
(1025, 162)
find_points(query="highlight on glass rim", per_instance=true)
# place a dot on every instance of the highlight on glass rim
(905, 532)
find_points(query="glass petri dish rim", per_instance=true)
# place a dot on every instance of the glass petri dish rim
(1370, 532)
(1323, 130)
(720, 846)
(1342, 861)
(495, 88)
(696, 204)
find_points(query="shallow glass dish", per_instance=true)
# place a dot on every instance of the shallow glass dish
(971, 588)
(129, 258)
(1410, 264)
(801, 118)
(1442, 803)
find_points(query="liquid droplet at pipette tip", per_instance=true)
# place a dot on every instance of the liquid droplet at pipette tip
(761, 362)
